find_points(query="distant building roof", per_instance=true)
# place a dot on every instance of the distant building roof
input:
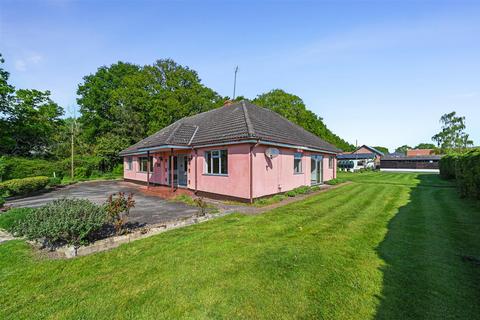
(419, 152)
(395, 154)
(354, 156)
(380, 153)
(230, 123)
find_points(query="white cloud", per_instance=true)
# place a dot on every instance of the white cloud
(22, 64)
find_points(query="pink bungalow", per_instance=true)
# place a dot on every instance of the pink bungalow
(239, 151)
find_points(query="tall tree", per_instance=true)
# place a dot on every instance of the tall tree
(453, 135)
(293, 108)
(403, 149)
(98, 100)
(33, 120)
(6, 89)
(425, 146)
(132, 102)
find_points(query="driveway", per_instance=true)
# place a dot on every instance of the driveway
(149, 209)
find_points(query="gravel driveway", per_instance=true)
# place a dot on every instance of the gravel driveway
(149, 209)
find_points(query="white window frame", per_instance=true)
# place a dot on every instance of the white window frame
(215, 154)
(149, 161)
(330, 162)
(298, 156)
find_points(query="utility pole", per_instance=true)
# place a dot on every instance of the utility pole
(235, 82)
(72, 143)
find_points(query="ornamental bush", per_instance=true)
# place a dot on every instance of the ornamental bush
(22, 186)
(70, 221)
(13, 217)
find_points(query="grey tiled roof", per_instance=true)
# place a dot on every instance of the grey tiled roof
(234, 122)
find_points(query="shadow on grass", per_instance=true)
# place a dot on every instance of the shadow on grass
(430, 253)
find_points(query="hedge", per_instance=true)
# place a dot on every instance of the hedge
(18, 168)
(22, 186)
(465, 168)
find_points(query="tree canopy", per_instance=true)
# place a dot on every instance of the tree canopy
(29, 119)
(453, 135)
(382, 149)
(403, 149)
(293, 108)
(132, 102)
(425, 146)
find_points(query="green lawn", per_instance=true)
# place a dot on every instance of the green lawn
(386, 246)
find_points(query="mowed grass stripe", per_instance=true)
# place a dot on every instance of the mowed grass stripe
(359, 261)
(424, 273)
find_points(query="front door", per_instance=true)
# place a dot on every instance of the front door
(182, 170)
(316, 169)
(175, 170)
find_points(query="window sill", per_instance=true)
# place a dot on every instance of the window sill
(215, 174)
(298, 173)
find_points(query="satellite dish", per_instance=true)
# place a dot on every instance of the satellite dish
(272, 152)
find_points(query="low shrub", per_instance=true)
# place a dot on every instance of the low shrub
(13, 216)
(269, 200)
(118, 170)
(82, 173)
(23, 186)
(335, 181)
(290, 193)
(69, 221)
(302, 190)
(118, 209)
(52, 182)
(2, 202)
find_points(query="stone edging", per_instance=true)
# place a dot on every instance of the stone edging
(113, 242)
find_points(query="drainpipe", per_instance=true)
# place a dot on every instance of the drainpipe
(172, 166)
(196, 166)
(251, 170)
(148, 169)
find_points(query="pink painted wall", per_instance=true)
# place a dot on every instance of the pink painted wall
(329, 173)
(235, 184)
(270, 176)
(276, 175)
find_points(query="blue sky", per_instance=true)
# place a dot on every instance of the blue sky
(380, 72)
